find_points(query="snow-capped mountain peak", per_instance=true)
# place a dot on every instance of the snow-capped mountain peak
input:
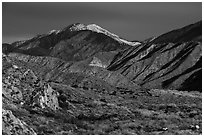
(54, 31)
(98, 29)
(77, 27)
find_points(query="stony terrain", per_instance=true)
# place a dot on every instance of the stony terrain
(89, 81)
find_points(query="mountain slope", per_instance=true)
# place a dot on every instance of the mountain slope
(32, 105)
(84, 80)
(98, 29)
(72, 43)
(192, 32)
(169, 61)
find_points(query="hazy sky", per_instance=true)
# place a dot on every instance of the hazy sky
(132, 21)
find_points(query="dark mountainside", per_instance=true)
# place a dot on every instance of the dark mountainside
(84, 79)
(170, 61)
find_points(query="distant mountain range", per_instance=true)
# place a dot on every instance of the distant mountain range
(84, 79)
(166, 61)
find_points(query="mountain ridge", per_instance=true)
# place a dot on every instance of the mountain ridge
(82, 82)
(43, 44)
(155, 53)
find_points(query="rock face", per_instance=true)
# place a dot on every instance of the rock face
(26, 88)
(97, 62)
(172, 60)
(13, 126)
(46, 98)
(84, 79)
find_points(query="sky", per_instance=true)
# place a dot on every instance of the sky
(129, 20)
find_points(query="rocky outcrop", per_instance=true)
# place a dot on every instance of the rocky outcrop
(102, 59)
(97, 62)
(14, 126)
(24, 87)
(46, 98)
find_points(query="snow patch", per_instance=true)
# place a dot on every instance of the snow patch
(77, 27)
(98, 29)
(53, 31)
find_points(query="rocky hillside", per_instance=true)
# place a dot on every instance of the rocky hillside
(84, 79)
(170, 61)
